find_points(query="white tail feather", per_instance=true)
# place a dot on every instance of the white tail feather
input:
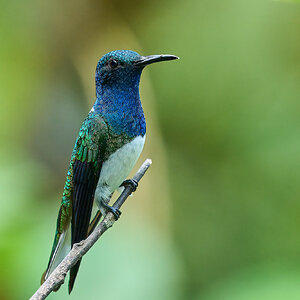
(62, 249)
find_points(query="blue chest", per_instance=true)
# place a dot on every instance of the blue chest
(121, 107)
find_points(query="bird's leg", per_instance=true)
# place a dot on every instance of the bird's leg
(116, 212)
(131, 182)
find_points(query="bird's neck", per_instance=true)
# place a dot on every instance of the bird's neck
(121, 107)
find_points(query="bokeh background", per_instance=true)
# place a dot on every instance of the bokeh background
(218, 214)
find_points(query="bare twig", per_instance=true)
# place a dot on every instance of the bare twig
(57, 277)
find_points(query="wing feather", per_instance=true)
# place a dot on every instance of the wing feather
(86, 173)
(78, 196)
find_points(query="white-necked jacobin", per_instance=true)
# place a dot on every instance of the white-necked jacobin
(108, 145)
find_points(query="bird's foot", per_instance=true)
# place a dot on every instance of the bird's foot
(130, 182)
(116, 212)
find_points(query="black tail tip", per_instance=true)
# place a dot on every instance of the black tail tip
(72, 280)
(73, 274)
(71, 287)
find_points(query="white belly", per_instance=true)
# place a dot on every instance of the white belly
(116, 169)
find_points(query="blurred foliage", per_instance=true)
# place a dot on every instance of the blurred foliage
(217, 217)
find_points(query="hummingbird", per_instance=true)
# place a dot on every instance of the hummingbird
(110, 141)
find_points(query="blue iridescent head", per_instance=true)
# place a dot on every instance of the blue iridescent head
(124, 67)
(117, 89)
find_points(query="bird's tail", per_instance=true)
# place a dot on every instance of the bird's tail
(75, 268)
(73, 274)
(61, 247)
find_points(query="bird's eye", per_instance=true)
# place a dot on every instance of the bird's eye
(113, 63)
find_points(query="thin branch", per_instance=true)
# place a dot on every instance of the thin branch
(58, 276)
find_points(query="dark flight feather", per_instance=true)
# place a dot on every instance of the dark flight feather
(86, 171)
(85, 182)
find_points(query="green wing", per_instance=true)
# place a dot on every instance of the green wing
(79, 190)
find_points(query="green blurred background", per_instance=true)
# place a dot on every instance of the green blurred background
(217, 216)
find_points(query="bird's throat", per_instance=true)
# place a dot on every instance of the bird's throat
(121, 107)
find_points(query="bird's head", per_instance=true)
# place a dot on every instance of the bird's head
(124, 67)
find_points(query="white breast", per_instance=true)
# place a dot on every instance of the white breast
(116, 169)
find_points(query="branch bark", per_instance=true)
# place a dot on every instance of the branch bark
(58, 276)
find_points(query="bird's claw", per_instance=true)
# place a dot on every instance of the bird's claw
(116, 212)
(130, 182)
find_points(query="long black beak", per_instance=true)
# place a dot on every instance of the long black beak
(147, 60)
